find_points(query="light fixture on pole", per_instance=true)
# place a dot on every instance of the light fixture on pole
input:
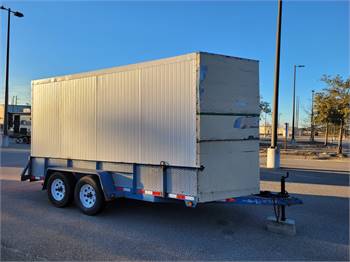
(293, 120)
(5, 127)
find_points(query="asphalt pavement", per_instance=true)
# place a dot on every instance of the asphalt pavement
(32, 229)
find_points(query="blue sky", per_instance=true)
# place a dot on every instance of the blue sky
(56, 38)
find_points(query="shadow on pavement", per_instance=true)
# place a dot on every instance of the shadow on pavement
(14, 156)
(130, 229)
(321, 177)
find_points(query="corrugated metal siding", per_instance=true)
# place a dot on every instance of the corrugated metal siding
(118, 120)
(117, 167)
(182, 181)
(77, 118)
(64, 119)
(150, 178)
(168, 109)
(45, 120)
(84, 164)
(142, 115)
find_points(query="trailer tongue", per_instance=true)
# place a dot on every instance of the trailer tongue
(279, 200)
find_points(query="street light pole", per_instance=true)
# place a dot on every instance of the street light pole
(5, 127)
(7, 75)
(273, 157)
(295, 72)
(293, 120)
(312, 134)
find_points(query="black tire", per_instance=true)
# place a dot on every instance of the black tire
(53, 191)
(93, 201)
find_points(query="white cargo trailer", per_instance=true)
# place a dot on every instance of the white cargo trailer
(183, 128)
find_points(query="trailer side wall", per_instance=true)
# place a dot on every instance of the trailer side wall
(143, 113)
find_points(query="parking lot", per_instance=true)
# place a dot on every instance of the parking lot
(32, 229)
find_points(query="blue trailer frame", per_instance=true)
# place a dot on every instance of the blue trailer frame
(279, 200)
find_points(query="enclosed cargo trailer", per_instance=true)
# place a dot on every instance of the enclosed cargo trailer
(183, 128)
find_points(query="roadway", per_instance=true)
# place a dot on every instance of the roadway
(32, 229)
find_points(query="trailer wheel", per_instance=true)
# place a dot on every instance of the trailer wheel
(89, 196)
(60, 189)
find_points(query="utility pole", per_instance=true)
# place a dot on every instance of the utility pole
(285, 135)
(5, 131)
(273, 154)
(279, 120)
(297, 115)
(312, 133)
(295, 76)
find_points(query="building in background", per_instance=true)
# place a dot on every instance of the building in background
(19, 119)
(265, 131)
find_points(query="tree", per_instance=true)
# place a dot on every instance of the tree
(334, 104)
(266, 109)
(324, 112)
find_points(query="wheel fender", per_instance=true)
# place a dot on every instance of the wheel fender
(50, 171)
(107, 184)
(47, 175)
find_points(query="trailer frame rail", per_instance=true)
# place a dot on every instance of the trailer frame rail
(279, 200)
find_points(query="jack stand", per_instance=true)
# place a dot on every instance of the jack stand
(280, 224)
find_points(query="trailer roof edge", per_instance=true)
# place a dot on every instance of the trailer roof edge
(133, 66)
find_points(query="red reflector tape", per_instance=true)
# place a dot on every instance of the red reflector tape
(149, 192)
(155, 193)
(180, 196)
